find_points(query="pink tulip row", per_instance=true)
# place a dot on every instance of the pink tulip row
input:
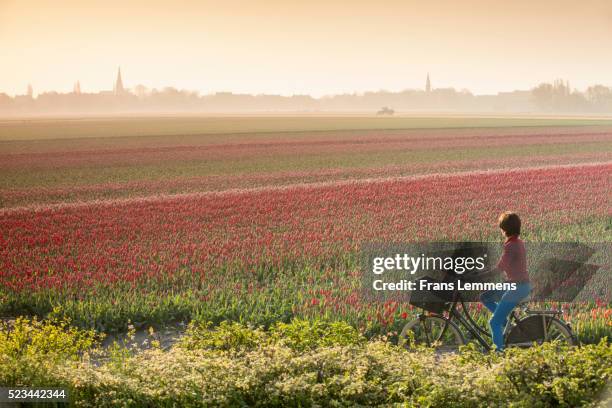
(210, 150)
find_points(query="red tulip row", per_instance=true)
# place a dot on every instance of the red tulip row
(214, 235)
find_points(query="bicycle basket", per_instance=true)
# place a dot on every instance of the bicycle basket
(435, 301)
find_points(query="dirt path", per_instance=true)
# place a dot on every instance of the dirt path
(605, 397)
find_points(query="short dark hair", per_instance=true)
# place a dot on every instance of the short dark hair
(510, 223)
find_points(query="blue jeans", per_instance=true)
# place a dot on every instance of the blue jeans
(501, 303)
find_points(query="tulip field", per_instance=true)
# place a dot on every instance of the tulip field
(155, 229)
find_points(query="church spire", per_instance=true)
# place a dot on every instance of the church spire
(119, 90)
(428, 84)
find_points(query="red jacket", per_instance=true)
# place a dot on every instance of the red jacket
(514, 260)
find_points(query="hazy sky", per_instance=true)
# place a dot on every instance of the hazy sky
(309, 46)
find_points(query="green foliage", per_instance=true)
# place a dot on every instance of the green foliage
(368, 374)
(54, 338)
(227, 336)
(556, 374)
(297, 335)
(235, 365)
(30, 348)
(302, 334)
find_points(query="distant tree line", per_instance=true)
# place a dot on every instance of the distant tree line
(556, 97)
(559, 97)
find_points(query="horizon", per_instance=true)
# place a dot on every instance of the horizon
(315, 48)
(555, 97)
(131, 89)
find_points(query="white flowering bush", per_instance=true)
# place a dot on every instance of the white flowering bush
(253, 367)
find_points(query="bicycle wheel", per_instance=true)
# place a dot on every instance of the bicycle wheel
(539, 329)
(431, 331)
(560, 331)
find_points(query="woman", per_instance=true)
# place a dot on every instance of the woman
(513, 263)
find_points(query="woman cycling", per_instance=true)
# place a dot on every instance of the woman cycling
(513, 263)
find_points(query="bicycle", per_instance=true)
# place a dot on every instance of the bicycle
(524, 327)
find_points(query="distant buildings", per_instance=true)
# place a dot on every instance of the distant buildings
(118, 89)
(555, 97)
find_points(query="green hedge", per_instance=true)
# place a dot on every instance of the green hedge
(299, 364)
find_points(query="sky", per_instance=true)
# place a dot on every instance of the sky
(311, 47)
